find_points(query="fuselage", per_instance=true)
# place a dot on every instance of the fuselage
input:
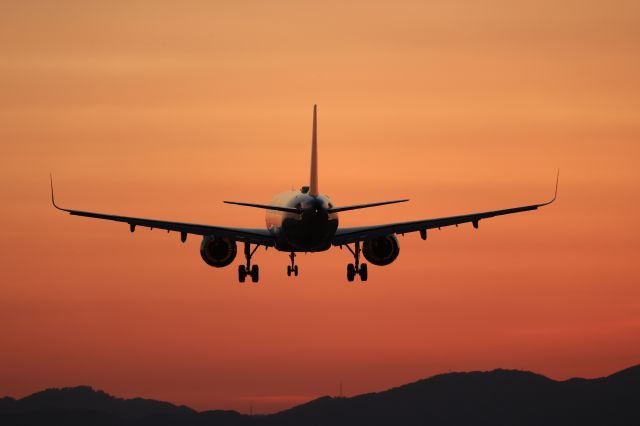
(308, 231)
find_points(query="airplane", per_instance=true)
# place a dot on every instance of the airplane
(304, 221)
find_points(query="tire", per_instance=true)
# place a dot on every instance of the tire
(295, 270)
(288, 270)
(255, 273)
(242, 273)
(351, 272)
(364, 273)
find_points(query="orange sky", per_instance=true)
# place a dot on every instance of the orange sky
(163, 109)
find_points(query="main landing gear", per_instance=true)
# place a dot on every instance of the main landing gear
(244, 270)
(357, 268)
(293, 268)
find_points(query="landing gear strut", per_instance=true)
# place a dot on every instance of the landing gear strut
(244, 270)
(293, 268)
(357, 268)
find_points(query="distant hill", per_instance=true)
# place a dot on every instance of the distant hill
(498, 397)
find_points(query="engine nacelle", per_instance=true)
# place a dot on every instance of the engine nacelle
(381, 251)
(217, 251)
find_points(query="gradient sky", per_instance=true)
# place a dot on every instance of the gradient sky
(163, 109)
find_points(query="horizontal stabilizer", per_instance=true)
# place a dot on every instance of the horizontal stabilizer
(363, 206)
(266, 207)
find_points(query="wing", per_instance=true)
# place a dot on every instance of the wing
(253, 236)
(351, 235)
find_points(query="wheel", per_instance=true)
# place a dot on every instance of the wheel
(255, 273)
(289, 270)
(295, 270)
(351, 272)
(364, 274)
(242, 273)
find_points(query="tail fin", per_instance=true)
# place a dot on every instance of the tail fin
(313, 181)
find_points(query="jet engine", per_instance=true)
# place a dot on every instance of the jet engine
(381, 251)
(218, 251)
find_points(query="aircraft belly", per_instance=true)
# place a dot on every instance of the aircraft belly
(306, 235)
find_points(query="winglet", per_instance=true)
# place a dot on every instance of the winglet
(53, 199)
(555, 194)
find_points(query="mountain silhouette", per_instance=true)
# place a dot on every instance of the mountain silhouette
(498, 397)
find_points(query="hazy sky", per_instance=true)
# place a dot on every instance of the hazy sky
(163, 109)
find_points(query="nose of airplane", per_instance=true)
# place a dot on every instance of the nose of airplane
(317, 205)
(315, 210)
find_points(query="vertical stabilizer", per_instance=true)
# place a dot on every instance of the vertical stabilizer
(313, 181)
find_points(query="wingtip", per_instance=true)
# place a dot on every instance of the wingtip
(53, 198)
(555, 192)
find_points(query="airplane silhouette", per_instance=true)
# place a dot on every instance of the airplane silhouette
(304, 221)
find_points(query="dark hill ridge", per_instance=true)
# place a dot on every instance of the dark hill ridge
(498, 397)
(86, 398)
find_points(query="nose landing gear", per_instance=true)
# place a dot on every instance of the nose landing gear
(357, 268)
(248, 269)
(293, 268)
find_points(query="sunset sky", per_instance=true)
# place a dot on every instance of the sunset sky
(162, 109)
